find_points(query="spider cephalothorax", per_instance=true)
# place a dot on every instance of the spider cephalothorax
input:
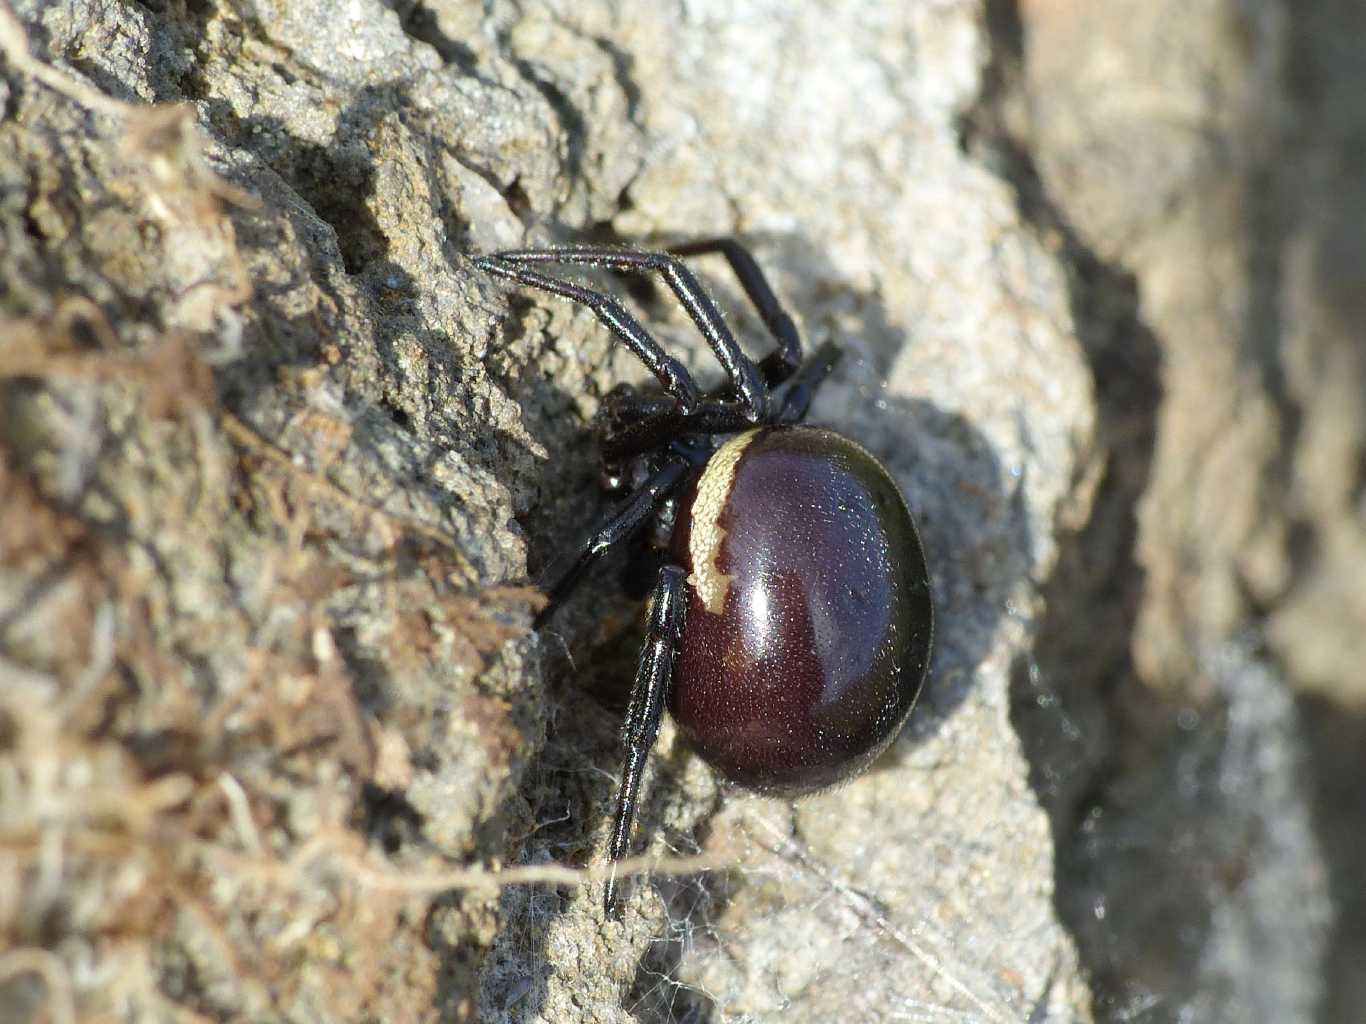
(790, 625)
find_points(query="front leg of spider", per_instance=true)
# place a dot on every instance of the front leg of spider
(747, 382)
(672, 375)
(648, 698)
(783, 361)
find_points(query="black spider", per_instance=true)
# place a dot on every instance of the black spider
(790, 626)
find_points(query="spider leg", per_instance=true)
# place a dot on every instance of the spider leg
(745, 377)
(624, 434)
(805, 381)
(616, 526)
(673, 376)
(648, 697)
(634, 423)
(783, 361)
(629, 422)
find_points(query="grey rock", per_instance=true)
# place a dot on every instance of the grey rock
(276, 460)
(1185, 157)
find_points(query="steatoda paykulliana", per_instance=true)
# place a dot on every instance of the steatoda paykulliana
(790, 624)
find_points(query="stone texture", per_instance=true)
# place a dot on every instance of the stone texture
(276, 459)
(1195, 158)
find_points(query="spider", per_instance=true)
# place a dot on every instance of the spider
(790, 625)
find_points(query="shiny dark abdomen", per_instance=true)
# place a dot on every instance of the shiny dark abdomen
(821, 646)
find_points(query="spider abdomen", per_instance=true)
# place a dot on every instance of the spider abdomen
(809, 623)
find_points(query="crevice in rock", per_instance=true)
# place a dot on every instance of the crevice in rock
(1069, 699)
(421, 23)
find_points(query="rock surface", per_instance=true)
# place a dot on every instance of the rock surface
(276, 460)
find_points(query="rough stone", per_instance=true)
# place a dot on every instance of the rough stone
(276, 461)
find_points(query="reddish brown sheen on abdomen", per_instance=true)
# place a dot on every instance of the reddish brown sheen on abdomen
(821, 644)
